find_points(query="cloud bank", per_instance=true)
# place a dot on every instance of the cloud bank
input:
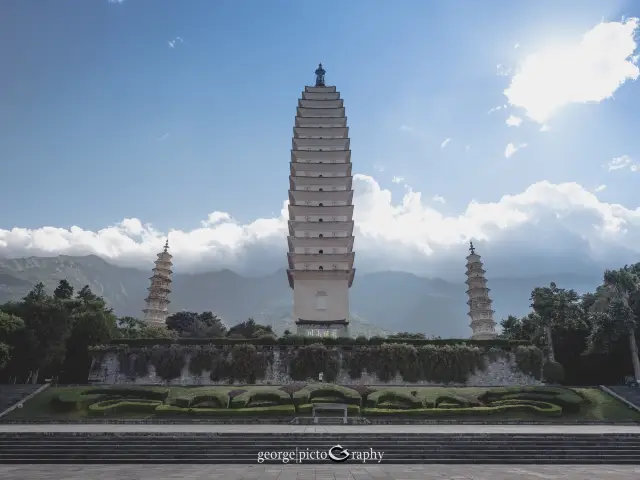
(546, 228)
(588, 70)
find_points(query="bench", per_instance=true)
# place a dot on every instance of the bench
(329, 407)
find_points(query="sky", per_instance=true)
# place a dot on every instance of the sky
(514, 124)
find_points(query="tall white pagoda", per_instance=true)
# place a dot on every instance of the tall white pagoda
(482, 324)
(156, 311)
(321, 213)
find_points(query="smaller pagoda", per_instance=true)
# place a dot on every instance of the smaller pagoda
(156, 311)
(482, 325)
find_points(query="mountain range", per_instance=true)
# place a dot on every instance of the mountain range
(381, 302)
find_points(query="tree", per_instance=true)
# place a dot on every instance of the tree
(191, 324)
(89, 328)
(86, 294)
(9, 326)
(64, 290)
(249, 329)
(554, 307)
(614, 313)
(407, 336)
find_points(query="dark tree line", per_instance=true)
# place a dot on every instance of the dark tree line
(593, 335)
(48, 335)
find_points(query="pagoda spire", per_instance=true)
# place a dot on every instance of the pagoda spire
(480, 312)
(157, 301)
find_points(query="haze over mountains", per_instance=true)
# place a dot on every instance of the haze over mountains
(381, 302)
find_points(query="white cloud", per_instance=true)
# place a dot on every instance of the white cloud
(397, 179)
(619, 163)
(439, 199)
(406, 128)
(545, 128)
(445, 142)
(495, 109)
(503, 71)
(407, 234)
(511, 149)
(600, 188)
(513, 121)
(115, 1)
(467, 148)
(588, 70)
(516, 46)
(172, 43)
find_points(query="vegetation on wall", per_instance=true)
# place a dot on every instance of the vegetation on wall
(247, 363)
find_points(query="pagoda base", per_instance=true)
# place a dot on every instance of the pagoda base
(322, 328)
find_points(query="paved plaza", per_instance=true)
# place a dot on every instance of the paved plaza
(338, 472)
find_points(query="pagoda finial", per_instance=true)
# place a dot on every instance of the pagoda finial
(472, 249)
(320, 76)
(166, 245)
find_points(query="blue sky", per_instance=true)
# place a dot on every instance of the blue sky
(164, 111)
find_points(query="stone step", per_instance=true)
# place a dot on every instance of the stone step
(164, 448)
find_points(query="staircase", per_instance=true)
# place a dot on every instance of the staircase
(12, 394)
(630, 394)
(243, 448)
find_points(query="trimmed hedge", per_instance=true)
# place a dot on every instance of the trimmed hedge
(312, 393)
(277, 410)
(107, 407)
(72, 401)
(549, 410)
(272, 396)
(150, 393)
(307, 408)
(219, 399)
(392, 397)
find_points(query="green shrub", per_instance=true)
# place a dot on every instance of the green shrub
(307, 408)
(150, 393)
(250, 398)
(312, 392)
(168, 361)
(217, 398)
(453, 399)
(108, 407)
(246, 364)
(551, 410)
(134, 362)
(74, 401)
(277, 410)
(170, 410)
(308, 361)
(201, 359)
(393, 396)
(568, 400)
(553, 372)
(529, 360)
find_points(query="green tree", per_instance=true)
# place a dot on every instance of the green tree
(90, 327)
(10, 325)
(614, 313)
(555, 307)
(64, 290)
(249, 329)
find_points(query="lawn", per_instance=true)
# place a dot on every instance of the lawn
(548, 404)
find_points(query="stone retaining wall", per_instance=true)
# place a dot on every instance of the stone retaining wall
(106, 370)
